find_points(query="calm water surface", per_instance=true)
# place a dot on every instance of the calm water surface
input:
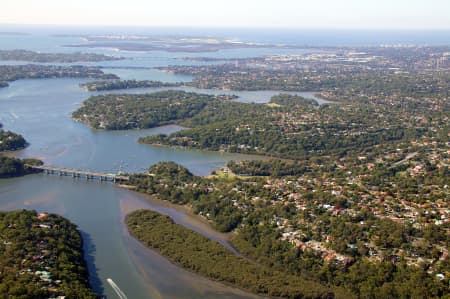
(41, 111)
(98, 210)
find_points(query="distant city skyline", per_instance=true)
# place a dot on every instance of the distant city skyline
(318, 14)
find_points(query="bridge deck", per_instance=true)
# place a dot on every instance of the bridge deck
(80, 172)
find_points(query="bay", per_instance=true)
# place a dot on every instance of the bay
(40, 110)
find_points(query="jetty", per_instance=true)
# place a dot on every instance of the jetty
(77, 173)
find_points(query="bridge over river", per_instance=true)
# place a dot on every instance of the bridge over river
(76, 173)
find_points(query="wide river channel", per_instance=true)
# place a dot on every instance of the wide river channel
(41, 110)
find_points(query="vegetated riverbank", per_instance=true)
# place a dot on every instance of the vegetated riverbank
(203, 256)
(247, 207)
(247, 157)
(141, 111)
(125, 84)
(289, 127)
(181, 214)
(14, 167)
(41, 256)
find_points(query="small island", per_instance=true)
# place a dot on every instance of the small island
(41, 256)
(125, 84)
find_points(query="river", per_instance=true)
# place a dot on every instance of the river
(98, 210)
(41, 110)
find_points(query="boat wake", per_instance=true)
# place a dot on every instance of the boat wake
(116, 289)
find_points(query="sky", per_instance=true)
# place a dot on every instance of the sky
(310, 14)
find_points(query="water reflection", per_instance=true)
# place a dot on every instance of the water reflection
(90, 251)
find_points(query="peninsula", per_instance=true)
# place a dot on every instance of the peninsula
(333, 223)
(10, 141)
(10, 73)
(31, 56)
(125, 84)
(129, 111)
(41, 256)
(208, 258)
(14, 167)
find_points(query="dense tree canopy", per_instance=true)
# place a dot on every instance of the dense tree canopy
(41, 256)
(11, 141)
(208, 258)
(12, 167)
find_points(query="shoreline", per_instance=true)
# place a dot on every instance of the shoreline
(12, 151)
(187, 209)
(179, 265)
(186, 148)
(154, 241)
(153, 199)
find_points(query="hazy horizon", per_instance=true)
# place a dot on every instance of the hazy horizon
(282, 14)
(288, 36)
(354, 29)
